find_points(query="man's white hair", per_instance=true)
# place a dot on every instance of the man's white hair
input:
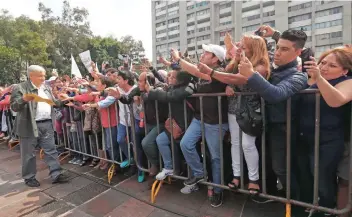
(35, 68)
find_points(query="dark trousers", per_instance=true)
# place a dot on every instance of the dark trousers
(330, 154)
(277, 144)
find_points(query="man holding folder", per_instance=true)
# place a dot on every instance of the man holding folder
(34, 125)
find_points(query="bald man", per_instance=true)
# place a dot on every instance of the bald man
(34, 126)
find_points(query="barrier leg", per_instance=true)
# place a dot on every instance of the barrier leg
(156, 187)
(288, 210)
(13, 144)
(111, 172)
(63, 156)
(41, 154)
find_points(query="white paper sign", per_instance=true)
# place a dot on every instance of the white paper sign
(74, 68)
(86, 60)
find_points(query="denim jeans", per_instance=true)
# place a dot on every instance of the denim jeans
(163, 142)
(188, 147)
(109, 135)
(122, 140)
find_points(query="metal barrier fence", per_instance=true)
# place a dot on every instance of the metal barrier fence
(93, 150)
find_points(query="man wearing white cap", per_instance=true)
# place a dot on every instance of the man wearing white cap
(213, 57)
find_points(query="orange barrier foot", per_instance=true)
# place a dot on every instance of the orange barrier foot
(288, 210)
(156, 187)
(41, 154)
(13, 144)
(111, 172)
(62, 156)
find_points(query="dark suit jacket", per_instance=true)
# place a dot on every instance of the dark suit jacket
(25, 124)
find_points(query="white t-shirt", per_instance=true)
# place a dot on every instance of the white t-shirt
(124, 109)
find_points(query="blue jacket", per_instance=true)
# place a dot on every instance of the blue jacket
(285, 81)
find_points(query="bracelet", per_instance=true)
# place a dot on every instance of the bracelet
(212, 73)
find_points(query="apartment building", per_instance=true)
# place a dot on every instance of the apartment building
(189, 24)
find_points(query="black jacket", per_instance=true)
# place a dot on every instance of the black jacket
(285, 82)
(149, 105)
(175, 96)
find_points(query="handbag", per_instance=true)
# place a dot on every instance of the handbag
(96, 122)
(249, 120)
(175, 128)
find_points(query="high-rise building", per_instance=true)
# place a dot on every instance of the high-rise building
(189, 24)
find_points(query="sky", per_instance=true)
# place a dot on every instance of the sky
(106, 17)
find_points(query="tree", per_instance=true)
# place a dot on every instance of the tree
(51, 41)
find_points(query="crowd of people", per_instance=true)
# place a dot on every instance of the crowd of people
(100, 115)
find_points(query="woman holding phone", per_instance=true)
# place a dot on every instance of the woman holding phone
(253, 48)
(331, 75)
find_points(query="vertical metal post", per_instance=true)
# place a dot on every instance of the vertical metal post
(316, 149)
(288, 150)
(203, 137)
(263, 146)
(221, 141)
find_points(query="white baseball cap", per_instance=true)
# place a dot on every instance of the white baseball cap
(217, 50)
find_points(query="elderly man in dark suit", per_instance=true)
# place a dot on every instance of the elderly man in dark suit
(34, 126)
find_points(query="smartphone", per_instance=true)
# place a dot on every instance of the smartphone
(159, 53)
(197, 56)
(185, 53)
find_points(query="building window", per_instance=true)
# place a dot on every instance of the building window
(202, 3)
(191, 40)
(175, 20)
(222, 43)
(323, 2)
(160, 24)
(328, 36)
(174, 36)
(321, 49)
(203, 29)
(161, 31)
(202, 12)
(300, 7)
(190, 32)
(190, 7)
(173, 12)
(173, 5)
(174, 28)
(174, 44)
(160, 17)
(223, 6)
(162, 46)
(328, 24)
(309, 38)
(189, 16)
(303, 28)
(299, 18)
(161, 39)
(250, 18)
(268, 14)
(191, 48)
(250, 28)
(328, 12)
(204, 37)
(160, 9)
(225, 23)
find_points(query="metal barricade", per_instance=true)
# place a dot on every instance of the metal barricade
(131, 143)
(288, 200)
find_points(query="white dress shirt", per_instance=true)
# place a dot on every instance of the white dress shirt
(43, 109)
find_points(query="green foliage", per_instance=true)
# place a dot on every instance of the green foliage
(51, 41)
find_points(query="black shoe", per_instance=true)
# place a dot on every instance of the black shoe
(33, 183)
(61, 179)
(192, 181)
(216, 199)
(131, 171)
